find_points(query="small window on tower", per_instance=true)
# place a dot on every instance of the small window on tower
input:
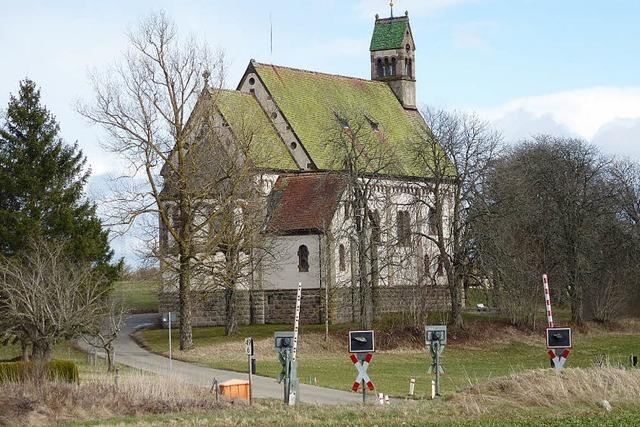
(408, 48)
(379, 68)
(252, 91)
(393, 66)
(341, 257)
(293, 145)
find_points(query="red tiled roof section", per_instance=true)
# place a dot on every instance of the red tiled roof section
(303, 202)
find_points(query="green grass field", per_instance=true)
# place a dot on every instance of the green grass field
(465, 364)
(139, 297)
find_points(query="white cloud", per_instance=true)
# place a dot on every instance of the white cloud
(621, 136)
(609, 117)
(369, 8)
(582, 111)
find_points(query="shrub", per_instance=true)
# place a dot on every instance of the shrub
(56, 370)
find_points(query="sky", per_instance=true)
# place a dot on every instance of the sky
(565, 67)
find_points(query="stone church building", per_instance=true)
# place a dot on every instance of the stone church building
(307, 211)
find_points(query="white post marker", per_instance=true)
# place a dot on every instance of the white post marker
(412, 386)
(248, 349)
(294, 350)
(170, 361)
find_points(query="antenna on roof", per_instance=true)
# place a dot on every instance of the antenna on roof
(271, 38)
(391, 5)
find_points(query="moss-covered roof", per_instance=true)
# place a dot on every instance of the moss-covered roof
(253, 130)
(310, 101)
(388, 33)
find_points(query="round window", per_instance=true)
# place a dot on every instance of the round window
(293, 145)
(274, 115)
(252, 81)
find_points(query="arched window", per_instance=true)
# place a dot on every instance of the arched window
(403, 224)
(176, 219)
(440, 270)
(379, 68)
(409, 63)
(341, 258)
(303, 259)
(164, 238)
(393, 66)
(427, 269)
(374, 219)
(432, 222)
(387, 67)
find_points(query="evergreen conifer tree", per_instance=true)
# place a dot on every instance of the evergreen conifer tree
(41, 186)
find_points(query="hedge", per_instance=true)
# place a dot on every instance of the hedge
(56, 370)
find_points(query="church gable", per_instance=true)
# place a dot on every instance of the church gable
(252, 130)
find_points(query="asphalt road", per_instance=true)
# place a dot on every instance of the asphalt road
(129, 353)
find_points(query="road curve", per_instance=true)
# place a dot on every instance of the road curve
(129, 353)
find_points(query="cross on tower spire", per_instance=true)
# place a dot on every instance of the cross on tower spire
(206, 74)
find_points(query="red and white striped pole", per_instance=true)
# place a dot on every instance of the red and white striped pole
(547, 300)
(296, 321)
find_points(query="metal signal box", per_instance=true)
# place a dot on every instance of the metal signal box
(361, 342)
(283, 340)
(435, 333)
(558, 338)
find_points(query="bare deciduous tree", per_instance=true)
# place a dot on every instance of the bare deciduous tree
(46, 297)
(105, 328)
(456, 151)
(144, 103)
(366, 160)
(232, 243)
(553, 209)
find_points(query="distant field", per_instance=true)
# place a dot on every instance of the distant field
(499, 353)
(139, 297)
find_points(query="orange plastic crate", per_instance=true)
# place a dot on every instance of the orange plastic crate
(235, 389)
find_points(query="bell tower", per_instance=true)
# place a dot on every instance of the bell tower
(393, 57)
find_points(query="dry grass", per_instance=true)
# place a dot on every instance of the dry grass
(99, 397)
(548, 388)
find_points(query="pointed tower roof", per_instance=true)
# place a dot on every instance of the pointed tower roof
(389, 33)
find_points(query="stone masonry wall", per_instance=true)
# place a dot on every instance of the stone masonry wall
(278, 306)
